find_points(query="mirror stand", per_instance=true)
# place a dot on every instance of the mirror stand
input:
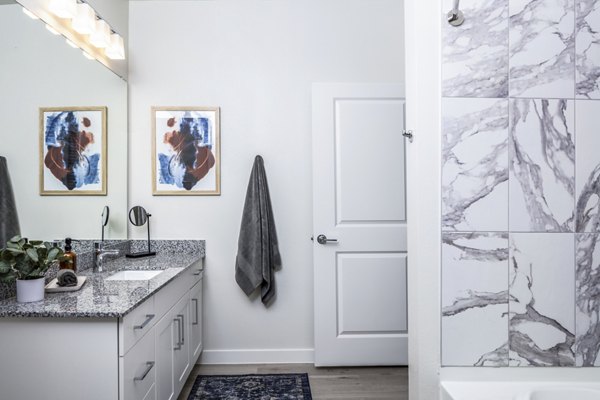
(138, 217)
(105, 215)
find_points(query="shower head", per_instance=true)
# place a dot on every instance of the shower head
(455, 17)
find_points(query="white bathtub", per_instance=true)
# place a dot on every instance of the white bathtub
(560, 393)
(495, 390)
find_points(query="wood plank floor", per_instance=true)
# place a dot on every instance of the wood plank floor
(381, 383)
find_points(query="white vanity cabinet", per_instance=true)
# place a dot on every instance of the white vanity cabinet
(181, 351)
(146, 355)
(178, 343)
(174, 336)
(195, 323)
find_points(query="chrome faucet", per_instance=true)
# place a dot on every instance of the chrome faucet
(99, 254)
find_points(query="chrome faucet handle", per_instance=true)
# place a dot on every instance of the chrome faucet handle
(99, 254)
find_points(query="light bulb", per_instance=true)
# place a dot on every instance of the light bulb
(85, 20)
(116, 49)
(101, 35)
(52, 30)
(29, 13)
(64, 8)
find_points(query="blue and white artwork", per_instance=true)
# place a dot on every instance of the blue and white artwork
(73, 151)
(186, 157)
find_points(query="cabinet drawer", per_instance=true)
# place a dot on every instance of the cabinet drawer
(168, 296)
(139, 370)
(196, 272)
(193, 274)
(136, 324)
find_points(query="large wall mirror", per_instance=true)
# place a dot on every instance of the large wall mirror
(40, 70)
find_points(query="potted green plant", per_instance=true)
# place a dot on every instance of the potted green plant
(27, 261)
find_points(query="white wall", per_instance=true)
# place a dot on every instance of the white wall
(423, 33)
(39, 69)
(256, 59)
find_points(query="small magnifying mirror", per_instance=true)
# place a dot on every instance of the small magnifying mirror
(138, 217)
(105, 216)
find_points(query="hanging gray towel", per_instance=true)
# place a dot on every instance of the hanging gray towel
(258, 253)
(9, 221)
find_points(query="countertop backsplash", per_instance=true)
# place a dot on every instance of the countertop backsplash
(84, 251)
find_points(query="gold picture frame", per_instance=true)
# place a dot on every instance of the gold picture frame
(186, 151)
(87, 176)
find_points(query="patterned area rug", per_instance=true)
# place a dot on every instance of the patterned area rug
(251, 387)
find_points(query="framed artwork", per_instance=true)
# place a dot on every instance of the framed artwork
(73, 151)
(186, 151)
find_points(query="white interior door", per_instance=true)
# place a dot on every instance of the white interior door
(359, 205)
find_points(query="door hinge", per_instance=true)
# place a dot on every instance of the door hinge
(408, 134)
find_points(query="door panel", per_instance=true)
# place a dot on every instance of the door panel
(383, 310)
(359, 200)
(369, 178)
(181, 362)
(165, 343)
(196, 322)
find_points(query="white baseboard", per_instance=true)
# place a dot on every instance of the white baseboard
(258, 356)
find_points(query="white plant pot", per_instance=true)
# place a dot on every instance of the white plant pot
(30, 290)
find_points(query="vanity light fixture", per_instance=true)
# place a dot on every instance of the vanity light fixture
(116, 49)
(29, 13)
(100, 38)
(52, 30)
(63, 8)
(84, 21)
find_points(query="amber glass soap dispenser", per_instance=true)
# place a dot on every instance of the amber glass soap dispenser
(69, 260)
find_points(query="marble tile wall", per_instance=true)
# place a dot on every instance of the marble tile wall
(521, 184)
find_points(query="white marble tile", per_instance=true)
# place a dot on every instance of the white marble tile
(587, 48)
(542, 299)
(542, 48)
(587, 209)
(587, 291)
(474, 164)
(542, 165)
(475, 54)
(474, 299)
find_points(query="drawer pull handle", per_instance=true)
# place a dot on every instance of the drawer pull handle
(149, 318)
(149, 366)
(197, 273)
(182, 331)
(179, 342)
(196, 303)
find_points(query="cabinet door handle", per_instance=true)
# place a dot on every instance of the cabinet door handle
(196, 303)
(197, 272)
(149, 318)
(149, 366)
(178, 346)
(182, 328)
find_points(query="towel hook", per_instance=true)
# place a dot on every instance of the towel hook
(455, 17)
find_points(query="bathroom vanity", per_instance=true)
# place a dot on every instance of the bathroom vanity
(130, 338)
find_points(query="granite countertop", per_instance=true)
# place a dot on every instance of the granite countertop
(99, 298)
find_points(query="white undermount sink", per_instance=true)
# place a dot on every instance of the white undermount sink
(133, 275)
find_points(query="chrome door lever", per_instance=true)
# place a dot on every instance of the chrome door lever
(322, 239)
(408, 135)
